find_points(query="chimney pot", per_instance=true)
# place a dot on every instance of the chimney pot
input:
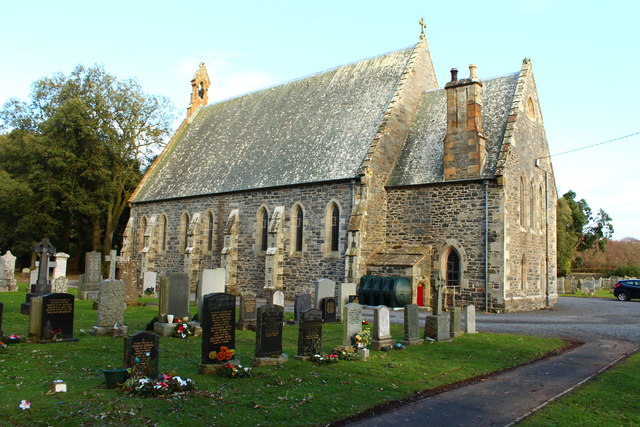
(454, 74)
(472, 71)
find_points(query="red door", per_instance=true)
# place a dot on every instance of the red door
(420, 296)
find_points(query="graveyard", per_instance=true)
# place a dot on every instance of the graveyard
(295, 391)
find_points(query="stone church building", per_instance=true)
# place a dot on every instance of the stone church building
(367, 169)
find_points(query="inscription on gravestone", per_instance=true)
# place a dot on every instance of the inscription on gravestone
(218, 325)
(310, 333)
(141, 352)
(352, 322)
(57, 317)
(247, 312)
(269, 331)
(329, 310)
(411, 325)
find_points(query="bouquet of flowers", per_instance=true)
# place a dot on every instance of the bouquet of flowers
(362, 339)
(164, 385)
(182, 331)
(12, 339)
(225, 354)
(346, 353)
(238, 371)
(324, 359)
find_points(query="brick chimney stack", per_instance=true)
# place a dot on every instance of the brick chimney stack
(199, 90)
(465, 148)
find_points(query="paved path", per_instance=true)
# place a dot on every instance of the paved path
(608, 327)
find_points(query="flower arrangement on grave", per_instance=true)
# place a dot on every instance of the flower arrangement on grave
(237, 371)
(55, 335)
(12, 339)
(148, 291)
(324, 359)
(2, 345)
(223, 355)
(365, 322)
(363, 339)
(164, 385)
(182, 331)
(346, 353)
(24, 405)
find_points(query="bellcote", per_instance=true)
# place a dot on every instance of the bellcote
(199, 90)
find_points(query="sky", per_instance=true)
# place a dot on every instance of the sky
(582, 52)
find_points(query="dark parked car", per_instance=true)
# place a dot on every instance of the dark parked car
(624, 290)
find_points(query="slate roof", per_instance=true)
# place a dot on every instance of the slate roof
(421, 161)
(314, 129)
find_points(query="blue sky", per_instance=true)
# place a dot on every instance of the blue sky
(584, 55)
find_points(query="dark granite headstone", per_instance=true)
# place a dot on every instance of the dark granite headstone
(247, 312)
(218, 325)
(329, 310)
(310, 333)
(269, 331)
(302, 303)
(174, 295)
(57, 317)
(42, 286)
(142, 352)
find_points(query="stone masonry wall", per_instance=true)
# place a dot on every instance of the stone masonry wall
(300, 270)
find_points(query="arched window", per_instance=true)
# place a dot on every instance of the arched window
(542, 202)
(453, 268)
(523, 203)
(210, 234)
(298, 217)
(532, 207)
(523, 273)
(162, 233)
(184, 227)
(335, 228)
(263, 229)
(141, 230)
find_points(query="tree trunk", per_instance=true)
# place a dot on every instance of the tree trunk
(95, 233)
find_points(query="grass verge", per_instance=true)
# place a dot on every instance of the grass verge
(299, 393)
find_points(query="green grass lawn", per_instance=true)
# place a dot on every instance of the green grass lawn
(299, 393)
(611, 399)
(600, 293)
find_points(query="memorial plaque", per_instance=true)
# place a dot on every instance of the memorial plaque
(302, 304)
(329, 310)
(310, 333)
(247, 312)
(142, 353)
(57, 317)
(269, 331)
(218, 325)
(352, 322)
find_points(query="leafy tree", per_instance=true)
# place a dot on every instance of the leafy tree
(79, 145)
(578, 230)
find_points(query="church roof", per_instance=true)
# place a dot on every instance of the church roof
(421, 161)
(314, 129)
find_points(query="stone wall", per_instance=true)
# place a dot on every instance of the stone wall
(300, 269)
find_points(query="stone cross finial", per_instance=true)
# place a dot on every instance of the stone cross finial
(438, 289)
(112, 259)
(422, 26)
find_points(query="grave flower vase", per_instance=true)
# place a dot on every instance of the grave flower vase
(112, 377)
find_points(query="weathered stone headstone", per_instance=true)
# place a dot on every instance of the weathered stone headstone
(324, 288)
(127, 271)
(142, 353)
(7, 272)
(470, 319)
(352, 322)
(438, 293)
(111, 309)
(113, 259)
(211, 281)
(436, 327)
(33, 276)
(302, 303)
(1, 311)
(149, 281)
(218, 329)
(561, 285)
(277, 298)
(247, 319)
(454, 322)
(90, 287)
(411, 325)
(60, 285)
(174, 295)
(344, 291)
(310, 333)
(381, 329)
(52, 318)
(329, 313)
(269, 336)
(60, 270)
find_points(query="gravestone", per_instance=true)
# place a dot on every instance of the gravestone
(411, 325)
(210, 281)
(436, 327)
(174, 295)
(1, 311)
(329, 313)
(470, 319)
(218, 330)
(310, 334)
(111, 309)
(149, 280)
(113, 259)
(277, 297)
(247, 312)
(351, 321)
(42, 285)
(127, 272)
(60, 270)
(381, 329)
(324, 288)
(302, 304)
(142, 353)
(60, 285)
(561, 285)
(269, 336)
(7, 272)
(51, 318)
(438, 293)
(454, 322)
(89, 288)
(344, 291)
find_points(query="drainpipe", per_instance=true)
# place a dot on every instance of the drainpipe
(546, 233)
(486, 246)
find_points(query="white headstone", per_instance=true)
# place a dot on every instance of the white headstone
(382, 325)
(7, 271)
(277, 298)
(33, 277)
(149, 280)
(344, 290)
(470, 319)
(211, 281)
(324, 288)
(60, 269)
